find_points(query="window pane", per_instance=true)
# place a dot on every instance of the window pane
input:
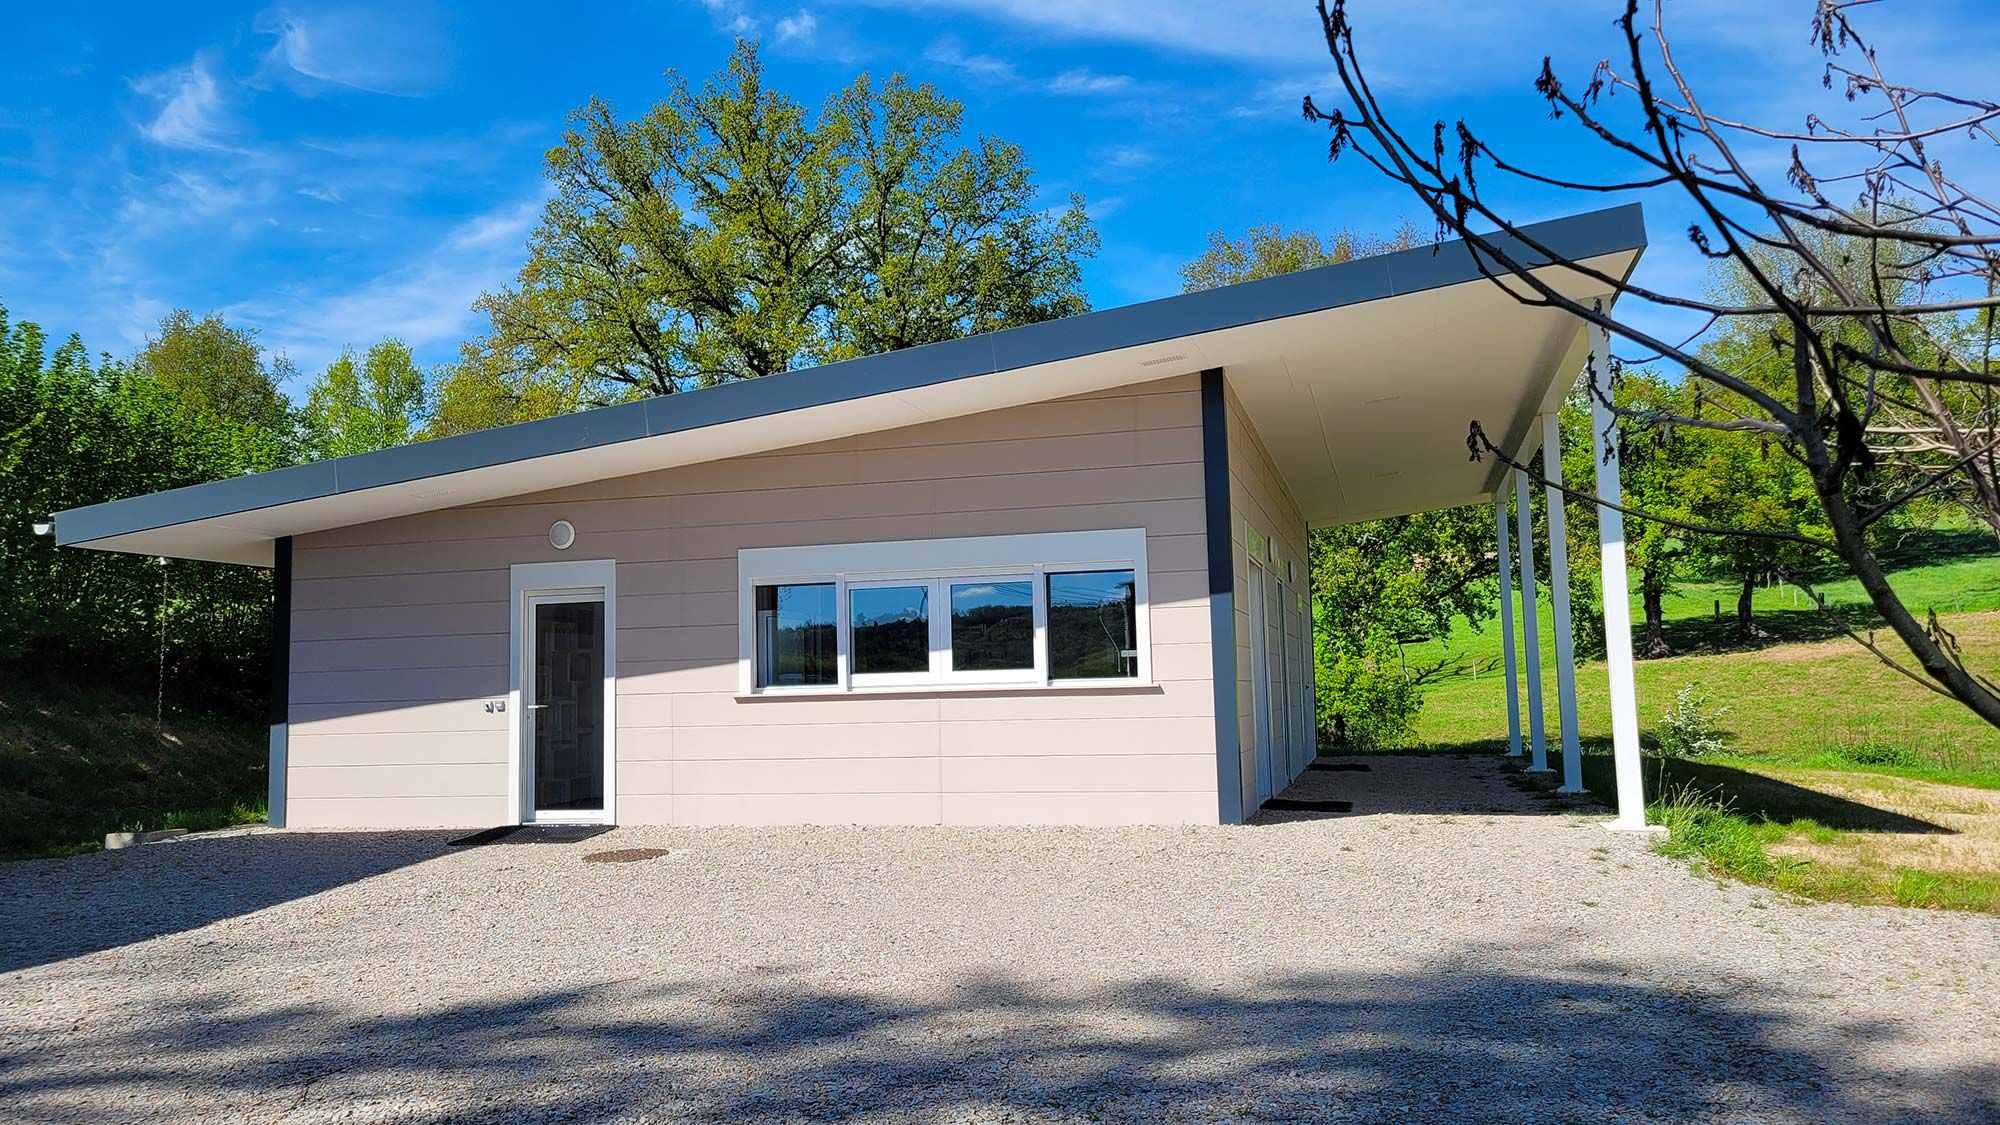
(891, 629)
(992, 626)
(796, 638)
(1093, 625)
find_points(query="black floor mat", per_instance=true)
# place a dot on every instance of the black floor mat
(1287, 804)
(532, 834)
(1340, 767)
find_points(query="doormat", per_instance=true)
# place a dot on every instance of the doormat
(1340, 767)
(625, 855)
(1287, 804)
(532, 834)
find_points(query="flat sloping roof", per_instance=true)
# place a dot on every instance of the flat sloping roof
(236, 519)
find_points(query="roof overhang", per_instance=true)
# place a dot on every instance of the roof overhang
(1360, 378)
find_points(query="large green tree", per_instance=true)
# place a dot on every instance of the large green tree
(77, 431)
(372, 401)
(729, 233)
(219, 373)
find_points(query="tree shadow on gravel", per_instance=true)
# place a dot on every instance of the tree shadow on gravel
(55, 909)
(1450, 1039)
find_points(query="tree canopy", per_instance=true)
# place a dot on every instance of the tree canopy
(371, 402)
(729, 233)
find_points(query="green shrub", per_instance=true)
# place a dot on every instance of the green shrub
(1688, 727)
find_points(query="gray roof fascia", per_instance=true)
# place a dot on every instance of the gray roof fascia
(1573, 237)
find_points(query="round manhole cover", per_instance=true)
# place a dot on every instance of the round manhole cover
(625, 855)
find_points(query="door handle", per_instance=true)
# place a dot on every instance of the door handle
(534, 706)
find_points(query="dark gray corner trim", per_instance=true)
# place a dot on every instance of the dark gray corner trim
(1221, 595)
(1315, 290)
(281, 678)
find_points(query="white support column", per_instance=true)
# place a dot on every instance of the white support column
(1617, 597)
(1507, 623)
(1531, 629)
(1552, 471)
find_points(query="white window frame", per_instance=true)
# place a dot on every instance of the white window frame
(941, 564)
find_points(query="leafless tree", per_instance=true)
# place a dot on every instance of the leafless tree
(1866, 283)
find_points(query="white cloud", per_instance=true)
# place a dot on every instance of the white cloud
(323, 194)
(1083, 80)
(425, 302)
(799, 27)
(378, 49)
(191, 111)
(948, 51)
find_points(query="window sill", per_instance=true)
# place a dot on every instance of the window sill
(1075, 687)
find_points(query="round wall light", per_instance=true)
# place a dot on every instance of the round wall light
(561, 535)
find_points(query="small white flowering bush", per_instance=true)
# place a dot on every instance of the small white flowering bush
(1688, 728)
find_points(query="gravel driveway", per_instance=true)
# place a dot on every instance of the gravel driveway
(1450, 950)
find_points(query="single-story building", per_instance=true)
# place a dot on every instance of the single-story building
(1053, 574)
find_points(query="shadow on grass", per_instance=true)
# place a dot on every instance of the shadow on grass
(1754, 796)
(1450, 1037)
(55, 909)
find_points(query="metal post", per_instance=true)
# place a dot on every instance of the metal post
(1531, 630)
(1507, 624)
(1617, 597)
(1552, 471)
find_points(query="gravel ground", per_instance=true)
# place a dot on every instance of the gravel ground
(1451, 950)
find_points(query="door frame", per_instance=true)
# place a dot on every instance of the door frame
(581, 580)
(1257, 578)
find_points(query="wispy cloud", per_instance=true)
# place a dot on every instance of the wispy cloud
(377, 49)
(191, 113)
(426, 301)
(950, 52)
(1084, 80)
(800, 27)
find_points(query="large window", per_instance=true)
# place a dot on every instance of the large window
(1066, 608)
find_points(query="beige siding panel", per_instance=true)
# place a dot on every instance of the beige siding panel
(360, 654)
(806, 808)
(1092, 736)
(400, 633)
(1096, 809)
(411, 721)
(678, 576)
(1075, 773)
(1180, 624)
(395, 812)
(1187, 699)
(645, 712)
(400, 589)
(443, 748)
(807, 741)
(646, 744)
(675, 677)
(399, 685)
(417, 779)
(724, 710)
(645, 808)
(640, 779)
(806, 776)
(446, 619)
(716, 643)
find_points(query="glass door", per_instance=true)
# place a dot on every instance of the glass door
(564, 725)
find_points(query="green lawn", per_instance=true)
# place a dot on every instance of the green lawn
(79, 759)
(1805, 694)
(1843, 780)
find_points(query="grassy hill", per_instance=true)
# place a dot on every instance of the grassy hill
(79, 759)
(1844, 779)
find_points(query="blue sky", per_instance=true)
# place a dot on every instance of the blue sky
(330, 174)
